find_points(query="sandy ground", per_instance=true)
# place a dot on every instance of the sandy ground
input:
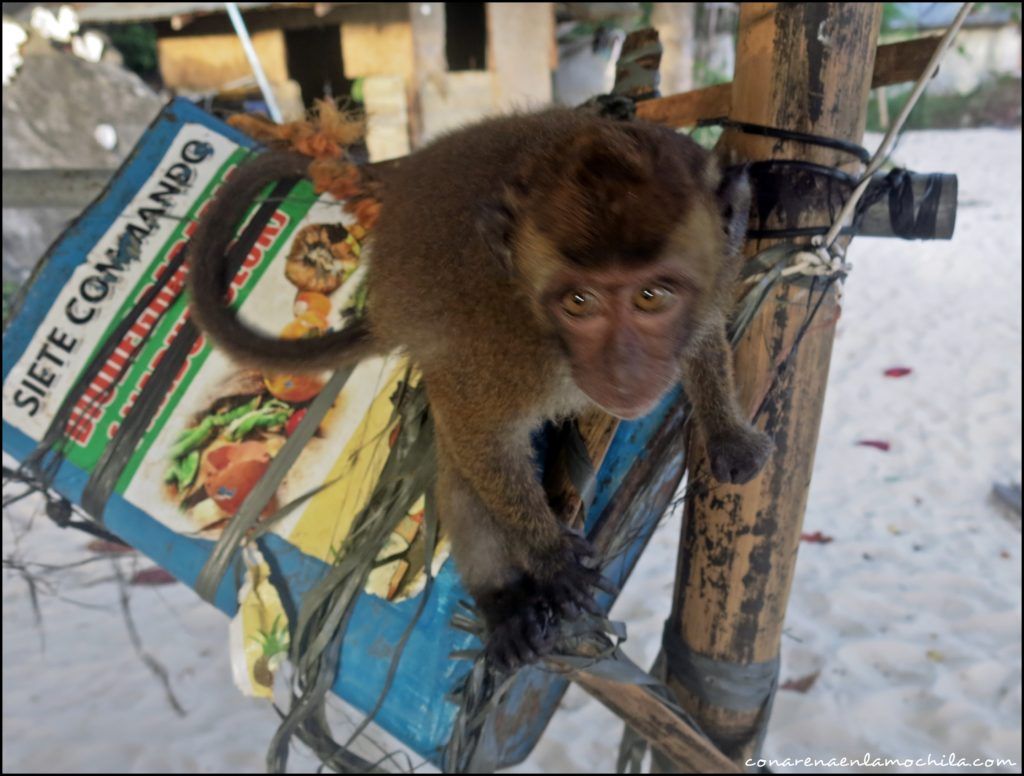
(909, 620)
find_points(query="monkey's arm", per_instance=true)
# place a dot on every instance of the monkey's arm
(520, 565)
(736, 450)
(495, 461)
(518, 628)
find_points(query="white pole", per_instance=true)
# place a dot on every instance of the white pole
(254, 62)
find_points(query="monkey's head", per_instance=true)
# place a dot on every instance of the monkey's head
(624, 240)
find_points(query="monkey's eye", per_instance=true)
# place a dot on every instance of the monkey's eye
(579, 304)
(653, 299)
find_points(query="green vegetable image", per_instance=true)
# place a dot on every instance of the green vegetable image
(273, 413)
(186, 451)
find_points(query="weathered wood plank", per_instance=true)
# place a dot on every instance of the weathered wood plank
(654, 719)
(908, 204)
(681, 110)
(903, 61)
(894, 63)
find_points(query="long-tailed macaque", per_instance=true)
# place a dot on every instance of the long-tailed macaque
(530, 266)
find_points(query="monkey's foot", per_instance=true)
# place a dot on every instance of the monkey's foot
(520, 625)
(523, 618)
(738, 454)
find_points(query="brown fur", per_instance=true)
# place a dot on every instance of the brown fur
(208, 281)
(479, 237)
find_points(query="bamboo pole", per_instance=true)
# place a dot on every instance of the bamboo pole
(807, 67)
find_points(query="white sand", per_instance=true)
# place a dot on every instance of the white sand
(912, 614)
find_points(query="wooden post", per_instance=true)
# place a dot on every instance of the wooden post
(806, 67)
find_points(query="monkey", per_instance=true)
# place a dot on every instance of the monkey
(531, 266)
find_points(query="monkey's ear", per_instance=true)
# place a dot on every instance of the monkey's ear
(733, 195)
(601, 155)
(495, 223)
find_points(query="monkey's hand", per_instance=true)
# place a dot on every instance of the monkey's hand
(738, 453)
(523, 617)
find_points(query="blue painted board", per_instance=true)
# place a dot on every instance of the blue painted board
(416, 710)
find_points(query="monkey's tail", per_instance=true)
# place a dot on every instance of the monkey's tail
(208, 281)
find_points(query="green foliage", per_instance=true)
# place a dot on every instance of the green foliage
(10, 291)
(996, 102)
(646, 12)
(137, 44)
(706, 136)
(1013, 8)
(706, 75)
(892, 13)
(358, 87)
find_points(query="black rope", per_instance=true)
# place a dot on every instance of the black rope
(736, 686)
(796, 231)
(58, 509)
(765, 165)
(911, 216)
(789, 134)
(910, 219)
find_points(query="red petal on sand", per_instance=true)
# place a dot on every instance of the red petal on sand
(878, 444)
(803, 684)
(898, 371)
(153, 576)
(816, 538)
(103, 547)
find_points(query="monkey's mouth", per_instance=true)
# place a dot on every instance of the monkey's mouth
(630, 412)
(624, 403)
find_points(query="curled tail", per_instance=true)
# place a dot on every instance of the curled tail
(208, 281)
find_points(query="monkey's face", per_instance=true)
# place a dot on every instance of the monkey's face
(624, 310)
(622, 239)
(624, 315)
(623, 331)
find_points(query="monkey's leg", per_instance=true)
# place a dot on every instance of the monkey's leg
(736, 450)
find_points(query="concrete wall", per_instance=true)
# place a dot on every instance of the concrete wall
(376, 40)
(387, 117)
(455, 100)
(521, 55)
(377, 46)
(203, 63)
(675, 23)
(399, 49)
(442, 100)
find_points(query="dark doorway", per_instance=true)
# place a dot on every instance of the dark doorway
(466, 36)
(314, 61)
